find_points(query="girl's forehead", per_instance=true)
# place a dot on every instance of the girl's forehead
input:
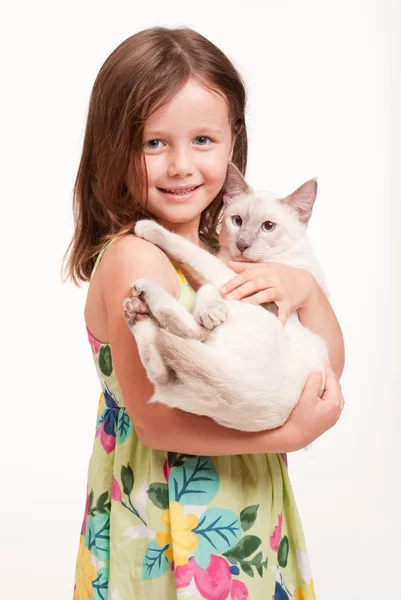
(193, 106)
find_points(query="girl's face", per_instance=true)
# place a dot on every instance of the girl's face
(187, 146)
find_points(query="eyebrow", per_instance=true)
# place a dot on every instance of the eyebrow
(159, 133)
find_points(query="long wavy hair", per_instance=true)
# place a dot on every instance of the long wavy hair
(142, 74)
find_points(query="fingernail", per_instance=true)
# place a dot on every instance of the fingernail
(223, 289)
(230, 297)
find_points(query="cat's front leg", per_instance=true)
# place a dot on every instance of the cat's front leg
(205, 267)
(210, 308)
(167, 311)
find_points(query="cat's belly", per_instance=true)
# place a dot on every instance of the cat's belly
(250, 333)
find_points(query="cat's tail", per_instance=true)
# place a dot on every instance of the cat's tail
(196, 365)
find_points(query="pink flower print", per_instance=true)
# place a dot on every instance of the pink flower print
(85, 515)
(214, 583)
(284, 457)
(184, 574)
(95, 345)
(108, 441)
(276, 535)
(116, 490)
(239, 591)
(166, 470)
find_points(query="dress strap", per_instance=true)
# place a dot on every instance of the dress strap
(181, 277)
(100, 255)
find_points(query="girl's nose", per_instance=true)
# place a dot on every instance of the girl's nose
(180, 163)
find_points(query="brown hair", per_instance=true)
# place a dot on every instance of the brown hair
(141, 75)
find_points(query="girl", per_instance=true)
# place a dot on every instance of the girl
(178, 507)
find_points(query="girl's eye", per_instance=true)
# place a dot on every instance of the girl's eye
(152, 144)
(202, 138)
(237, 221)
(268, 226)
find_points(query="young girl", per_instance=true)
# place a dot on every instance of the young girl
(177, 506)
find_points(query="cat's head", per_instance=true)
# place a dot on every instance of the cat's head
(258, 225)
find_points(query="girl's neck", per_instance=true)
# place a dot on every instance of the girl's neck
(189, 231)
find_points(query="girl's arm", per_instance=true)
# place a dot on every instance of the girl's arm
(318, 316)
(158, 426)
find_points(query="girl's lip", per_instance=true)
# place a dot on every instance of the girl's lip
(182, 197)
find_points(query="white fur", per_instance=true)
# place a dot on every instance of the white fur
(232, 361)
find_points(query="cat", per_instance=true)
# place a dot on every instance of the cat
(232, 361)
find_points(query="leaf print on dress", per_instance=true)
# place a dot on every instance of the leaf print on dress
(239, 554)
(155, 562)
(196, 481)
(107, 422)
(124, 426)
(97, 538)
(105, 362)
(127, 479)
(218, 530)
(101, 584)
(248, 516)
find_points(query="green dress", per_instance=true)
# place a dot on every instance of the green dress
(167, 526)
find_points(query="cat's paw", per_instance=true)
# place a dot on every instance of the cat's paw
(148, 230)
(211, 315)
(134, 308)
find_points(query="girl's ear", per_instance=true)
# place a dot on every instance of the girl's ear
(303, 199)
(234, 184)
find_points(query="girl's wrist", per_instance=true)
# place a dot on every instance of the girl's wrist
(312, 292)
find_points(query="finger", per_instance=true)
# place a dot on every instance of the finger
(239, 267)
(261, 297)
(332, 388)
(233, 283)
(313, 384)
(247, 289)
(283, 312)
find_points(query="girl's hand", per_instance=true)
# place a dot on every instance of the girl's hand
(289, 287)
(312, 416)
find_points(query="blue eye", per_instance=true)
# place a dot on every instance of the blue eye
(237, 221)
(268, 226)
(151, 147)
(203, 137)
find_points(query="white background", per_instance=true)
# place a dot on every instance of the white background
(324, 82)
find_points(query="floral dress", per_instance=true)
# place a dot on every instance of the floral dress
(168, 526)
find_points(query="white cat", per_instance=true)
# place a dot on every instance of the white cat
(232, 361)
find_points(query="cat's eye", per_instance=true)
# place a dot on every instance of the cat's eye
(268, 226)
(237, 221)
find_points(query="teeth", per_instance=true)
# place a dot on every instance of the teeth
(172, 191)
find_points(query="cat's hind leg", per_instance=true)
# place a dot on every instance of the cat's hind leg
(145, 333)
(210, 308)
(167, 311)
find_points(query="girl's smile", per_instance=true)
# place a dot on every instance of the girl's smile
(180, 194)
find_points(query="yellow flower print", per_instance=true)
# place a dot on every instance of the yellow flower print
(84, 574)
(179, 534)
(100, 406)
(301, 594)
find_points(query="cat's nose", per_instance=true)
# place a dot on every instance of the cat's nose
(241, 245)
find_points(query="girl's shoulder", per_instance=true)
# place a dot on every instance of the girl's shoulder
(128, 258)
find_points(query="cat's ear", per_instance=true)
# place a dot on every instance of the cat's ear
(303, 199)
(234, 184)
